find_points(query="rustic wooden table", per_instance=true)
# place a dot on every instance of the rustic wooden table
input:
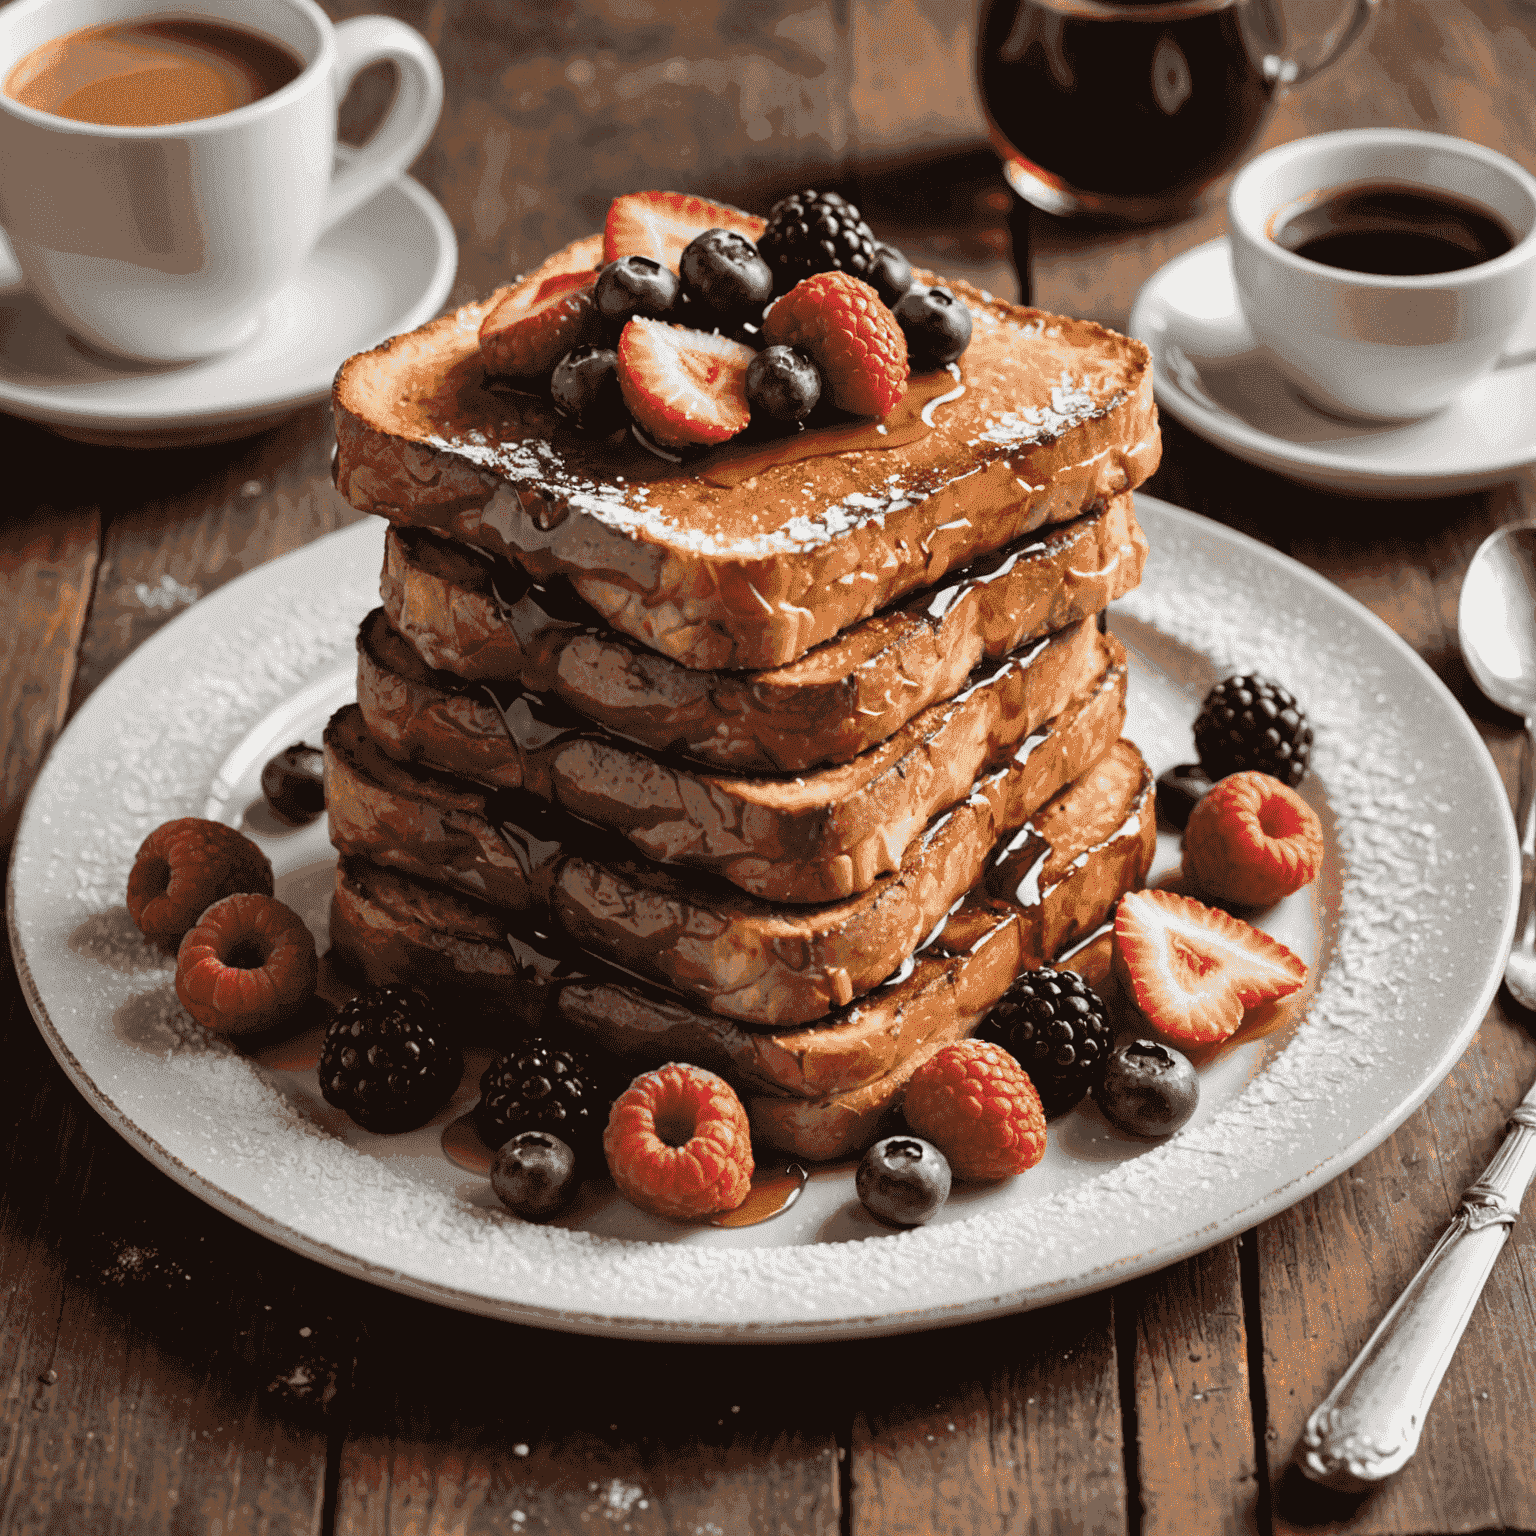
(166, 1371)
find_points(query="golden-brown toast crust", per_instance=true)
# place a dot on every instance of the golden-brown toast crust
(463, 615)
(747, 558)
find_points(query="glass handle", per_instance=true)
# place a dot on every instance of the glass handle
(1283, 72)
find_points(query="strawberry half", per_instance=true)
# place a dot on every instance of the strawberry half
(527, 332)
(660, 224)
(684, 387)
(1192, 969)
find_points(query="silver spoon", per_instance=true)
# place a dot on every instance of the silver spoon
(1496, 624)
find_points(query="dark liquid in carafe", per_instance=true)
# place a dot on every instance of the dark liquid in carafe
(1391, 231)
(1116, 105)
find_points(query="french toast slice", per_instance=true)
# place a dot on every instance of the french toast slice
(758, 961)
(818, 837)
(751, 554)
(806, 1087)
(487, 620)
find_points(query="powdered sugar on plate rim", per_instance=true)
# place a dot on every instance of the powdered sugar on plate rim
(1411, 943)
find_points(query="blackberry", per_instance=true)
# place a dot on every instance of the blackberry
(1054, 1025)
(810, 232)
(1249, 722)
(540, 1087)
(386, 1060)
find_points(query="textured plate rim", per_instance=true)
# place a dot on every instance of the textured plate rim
(1205, 1228)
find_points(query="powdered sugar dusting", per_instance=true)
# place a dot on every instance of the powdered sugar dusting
(1418, 850)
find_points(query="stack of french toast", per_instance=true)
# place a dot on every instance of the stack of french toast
(781, 758)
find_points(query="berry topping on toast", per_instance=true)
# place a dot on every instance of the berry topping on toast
(525, 336)
(1252, 840)
(1191, 969)
(853, 338)
(976, 1104)
(661, 224)
(684, 387)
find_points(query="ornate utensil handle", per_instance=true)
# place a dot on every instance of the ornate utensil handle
(1369, 1425)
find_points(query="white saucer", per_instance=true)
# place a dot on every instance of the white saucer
(1208, 374)
(385, 269)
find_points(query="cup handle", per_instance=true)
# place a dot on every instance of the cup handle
(412, 116)
(1281, 71)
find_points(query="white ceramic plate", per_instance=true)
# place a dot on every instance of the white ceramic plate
(1209, 374)
(1406, 934)
(385, 268)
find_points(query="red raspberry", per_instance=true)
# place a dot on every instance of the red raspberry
(678, 1143)
(248, 965)
(976, 1104)
(852, 336)
(183, 867)
(1252, 840)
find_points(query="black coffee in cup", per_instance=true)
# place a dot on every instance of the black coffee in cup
(1390, 229)
(151, 72)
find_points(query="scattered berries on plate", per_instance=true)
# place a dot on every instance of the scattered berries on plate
(723, 272)
(684, 387)
(936, 324)
(1149, 1089)
(527, 339)
(585, 390)
(851, 336)
(183, 867)
(634, 285)
(890, 274)
(1250, 722)
(1054, 1025)
(661, 224)
(537, 1086)
(1252, 840)
(534, 1175)
(1179, 791)
(782, 384)
(294, 784)
(247, 965)
(810, 232)
(1191, 969)
(903, 1180)
(387, 1061)
(678, 1143)
(976, 1104)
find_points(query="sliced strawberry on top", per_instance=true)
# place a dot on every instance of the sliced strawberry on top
(1192, 969)
(660, 224)
(526, 334)
(684, 387)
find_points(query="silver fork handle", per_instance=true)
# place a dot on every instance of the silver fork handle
(1369, 1425)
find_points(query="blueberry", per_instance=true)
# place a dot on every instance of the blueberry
(585, 389)
(783, 384)
(1179, 791)
(890, 272)
(634, 285)
(723, 271)
(903, 1180)
(294, 784)
(534, 1175)
(1148, 1090)
(936, 324)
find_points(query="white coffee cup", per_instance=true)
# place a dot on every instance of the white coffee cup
(164, 244)
(1363, 345)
